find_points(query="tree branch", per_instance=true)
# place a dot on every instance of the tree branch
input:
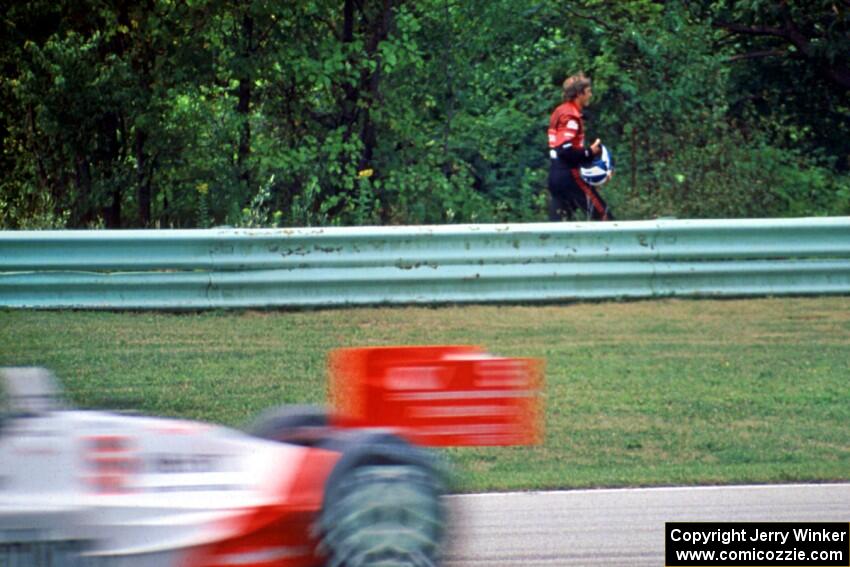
(790, 33)
(753, 30)
(758, 55)
(794, 35)
(594, 19)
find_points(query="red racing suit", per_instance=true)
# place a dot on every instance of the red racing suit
(566, 126)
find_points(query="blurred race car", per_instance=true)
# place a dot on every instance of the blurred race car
(349, 487)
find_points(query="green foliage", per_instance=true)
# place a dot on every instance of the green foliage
(323, 112)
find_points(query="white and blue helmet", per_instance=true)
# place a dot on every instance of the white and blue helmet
(597, 173)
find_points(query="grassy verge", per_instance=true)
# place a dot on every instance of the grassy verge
(638, 393)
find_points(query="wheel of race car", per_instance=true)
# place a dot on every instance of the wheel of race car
(383, 508)
(299, 425)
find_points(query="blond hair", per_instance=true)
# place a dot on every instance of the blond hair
(575, 85)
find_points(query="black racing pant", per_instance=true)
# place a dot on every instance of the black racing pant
(572, 196)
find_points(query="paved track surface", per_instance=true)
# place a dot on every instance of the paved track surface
(617, 527)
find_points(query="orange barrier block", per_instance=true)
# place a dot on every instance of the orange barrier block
(439, 395)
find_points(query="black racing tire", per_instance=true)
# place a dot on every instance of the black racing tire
(383, 506)
(303, 425)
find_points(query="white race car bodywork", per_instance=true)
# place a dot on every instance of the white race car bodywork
(139, 490)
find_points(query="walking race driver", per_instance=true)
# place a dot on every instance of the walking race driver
(567, 152)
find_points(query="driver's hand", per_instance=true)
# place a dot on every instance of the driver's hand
(596, 147)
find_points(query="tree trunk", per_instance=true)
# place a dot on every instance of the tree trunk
(368, 134)
(243, 106)
(349, 104)
(112, 213)
(81, 212)
(143, 180)
(143, 61)
(450, 91)
(107, 160)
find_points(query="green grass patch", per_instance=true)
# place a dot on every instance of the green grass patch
(638, 393)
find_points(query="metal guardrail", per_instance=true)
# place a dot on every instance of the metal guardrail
(195, 269)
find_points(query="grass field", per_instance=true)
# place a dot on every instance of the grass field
(638, 393)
